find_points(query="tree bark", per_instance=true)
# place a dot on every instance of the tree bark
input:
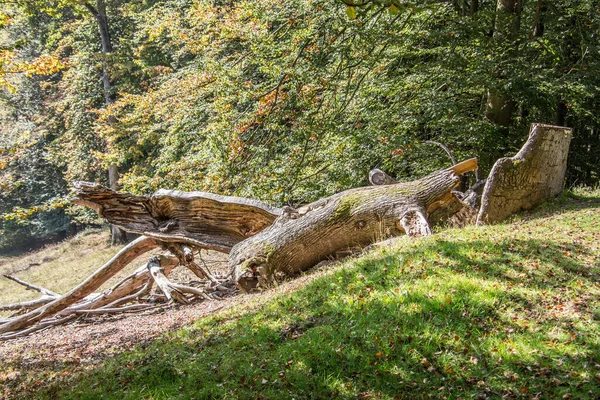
(536, 173)
(356, 217)
(198, 219)
(118, 236)
(500, 106)
(474, 7)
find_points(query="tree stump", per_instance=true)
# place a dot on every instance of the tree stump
(535, 174)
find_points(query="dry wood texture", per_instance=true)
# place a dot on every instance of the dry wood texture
(114, 265)
(263, 240)
(199, 219)
(356, 217)
(536, 173)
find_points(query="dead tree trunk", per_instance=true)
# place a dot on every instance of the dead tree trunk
(198, 219)
(356, 217)
(536, 173)
(262, 240)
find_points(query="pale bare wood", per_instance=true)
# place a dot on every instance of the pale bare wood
(165, 285)
(115, 264)
(534, 174)
(117, 310)
(37, 327)
(125, 289)
(198, 219)
(28, 304)
(414, 222)
(31, 286)
(464, 167)
(378, 177)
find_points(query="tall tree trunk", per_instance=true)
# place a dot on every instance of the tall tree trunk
(538, 24)
(500, 106)
(561, 113)
(474, 6)
(118, 236)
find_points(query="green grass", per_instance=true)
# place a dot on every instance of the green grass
(507, 310)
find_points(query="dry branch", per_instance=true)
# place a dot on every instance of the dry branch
(31, 286)
(114, 265)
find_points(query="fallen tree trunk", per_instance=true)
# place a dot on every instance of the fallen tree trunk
(263, 240)
(356, 217)
(199, 219)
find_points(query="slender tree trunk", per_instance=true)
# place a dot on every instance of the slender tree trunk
(561, 113)
(107, 48)
(474, 6)
(500, 106)
(118, 236)
(538, 24)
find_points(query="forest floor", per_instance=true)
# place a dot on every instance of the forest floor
(511, 310)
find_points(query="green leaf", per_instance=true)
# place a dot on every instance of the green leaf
(351, 11)
(393, 9)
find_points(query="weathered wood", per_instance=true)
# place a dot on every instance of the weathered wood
(31, 286)
(377, 177)
(414, 222)
(534, 174)
(28, 304)
(115, 264)
(269, 240)
(126, 290)
(199, 219)
(165, 285)
(354, 217)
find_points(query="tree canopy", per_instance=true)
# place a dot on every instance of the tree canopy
(283, 101)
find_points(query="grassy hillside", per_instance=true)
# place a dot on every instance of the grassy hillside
(508, 310)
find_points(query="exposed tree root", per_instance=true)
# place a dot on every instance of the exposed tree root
(114, 265)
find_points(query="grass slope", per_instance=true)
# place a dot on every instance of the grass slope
(508, 310)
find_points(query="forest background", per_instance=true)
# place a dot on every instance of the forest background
(281, 101)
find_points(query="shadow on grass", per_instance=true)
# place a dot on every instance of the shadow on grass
(565, 202)
(444, 318)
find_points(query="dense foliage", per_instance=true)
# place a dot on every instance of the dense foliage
(287, 101)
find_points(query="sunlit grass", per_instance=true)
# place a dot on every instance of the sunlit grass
(483, 312)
